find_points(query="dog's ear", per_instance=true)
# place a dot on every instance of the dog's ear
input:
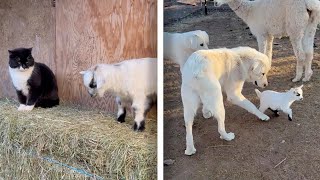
(255, 66)
(193, 42)
(82, 72)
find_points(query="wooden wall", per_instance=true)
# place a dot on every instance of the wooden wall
(100, 31)
(86, 32)
(25, 23)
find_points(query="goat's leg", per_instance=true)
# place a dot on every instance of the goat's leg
(289, 112)
(121, 110)
(308, 41)
(300, 55)
(140, 107)
(190, 101)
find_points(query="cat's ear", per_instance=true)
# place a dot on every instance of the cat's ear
(83, 72)
(10, 52)
(30, 49)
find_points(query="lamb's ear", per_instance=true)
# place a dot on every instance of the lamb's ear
(82, 72)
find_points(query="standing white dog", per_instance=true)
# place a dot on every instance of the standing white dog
(179, 46)
(208, 73)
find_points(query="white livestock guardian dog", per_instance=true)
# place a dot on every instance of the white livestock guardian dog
(208, 73)
(179, 46)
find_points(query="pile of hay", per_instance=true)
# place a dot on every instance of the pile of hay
(73, 143)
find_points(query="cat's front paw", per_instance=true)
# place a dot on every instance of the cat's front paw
(25, 108)
(21, 107)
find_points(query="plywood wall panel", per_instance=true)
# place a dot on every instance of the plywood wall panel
(89, 32)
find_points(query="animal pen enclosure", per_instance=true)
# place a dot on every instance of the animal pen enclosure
(71, 36)
(76, 34)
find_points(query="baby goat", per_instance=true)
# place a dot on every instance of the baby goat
(276, 101)
(132, 80)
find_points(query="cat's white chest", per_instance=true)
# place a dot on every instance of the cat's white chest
(19, 79)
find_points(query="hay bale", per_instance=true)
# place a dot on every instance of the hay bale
(73, 143)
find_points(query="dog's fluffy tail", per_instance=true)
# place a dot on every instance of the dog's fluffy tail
(258, 92)
(196, 64)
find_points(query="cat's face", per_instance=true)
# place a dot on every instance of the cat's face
(21, 59)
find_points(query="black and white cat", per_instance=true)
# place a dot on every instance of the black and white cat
(34, 82)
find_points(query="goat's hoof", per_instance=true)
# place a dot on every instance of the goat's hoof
(139, 128)
(228, 137)
(289, 118)
(190, 151)
(121, 118)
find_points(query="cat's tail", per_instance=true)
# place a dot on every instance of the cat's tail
(47, 103)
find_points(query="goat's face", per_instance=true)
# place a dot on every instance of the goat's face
(92, 83)
(297, 93)
(199, 40)
(258, 74)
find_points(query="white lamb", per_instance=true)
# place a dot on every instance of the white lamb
(276, 101)
(134, 80)
(179, 46)
(267, 19)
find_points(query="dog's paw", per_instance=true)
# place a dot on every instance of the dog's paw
(206, 113)
(264, 117)
(21, 107)
(228, 137)
(190, 151)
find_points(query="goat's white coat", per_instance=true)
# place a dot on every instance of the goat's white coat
(279, 100)
(208, 73)
(134, 79)
(278, 18)
(179, 46)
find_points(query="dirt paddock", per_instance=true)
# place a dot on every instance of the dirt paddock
(276, 149)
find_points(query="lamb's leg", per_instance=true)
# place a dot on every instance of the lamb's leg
(121, 110)
(308, 41)
(300, 55)
(190, 102)
(289, 112)
(238, 99)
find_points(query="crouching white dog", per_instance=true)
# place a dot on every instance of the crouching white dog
(208, 73)
(179, 46)
(134, 80)
(276, 101)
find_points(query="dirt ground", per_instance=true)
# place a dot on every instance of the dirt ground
(258, 147)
